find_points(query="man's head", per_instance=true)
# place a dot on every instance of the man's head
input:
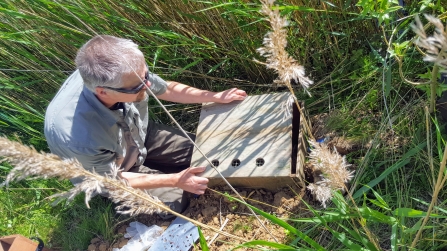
(113, 66)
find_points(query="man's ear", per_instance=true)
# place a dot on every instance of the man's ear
(100, 91)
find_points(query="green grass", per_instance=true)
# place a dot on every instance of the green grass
(212, 45)
(26, 210)
(78, 225)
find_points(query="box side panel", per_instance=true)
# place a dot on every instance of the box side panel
(299, 143)
(269, 183)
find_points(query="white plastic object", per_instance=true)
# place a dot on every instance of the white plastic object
(142, 237)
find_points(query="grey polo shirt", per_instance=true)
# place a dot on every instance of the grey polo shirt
(78, 125)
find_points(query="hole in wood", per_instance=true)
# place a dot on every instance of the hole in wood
(260, 162)
(215, 162)
(235, 162)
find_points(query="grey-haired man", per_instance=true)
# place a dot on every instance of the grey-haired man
(100, 117)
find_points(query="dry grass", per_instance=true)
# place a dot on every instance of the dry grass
(29, 163)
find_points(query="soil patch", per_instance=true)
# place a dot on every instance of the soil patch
(217, 211)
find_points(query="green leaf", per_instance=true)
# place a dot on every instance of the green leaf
(376, 216)
(405, 160)
(393, 237)
(16, 14)
(340, 202)
(216, 6)
(5, 168)
(333, 217)
(400, 47)
(392, 9)
(176, 73)
(381, 202)
(409, 212)
(388, 81)
(439, 139)
(348, 243)
(426, 203)
(278, 246)
(415, 227)
(202, 241)
(298, 8)
(217, 66)
(342, 206)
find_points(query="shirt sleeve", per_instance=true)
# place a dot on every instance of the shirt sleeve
(158, 85)
(101, 162)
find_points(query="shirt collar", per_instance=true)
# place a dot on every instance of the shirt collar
(110, 118)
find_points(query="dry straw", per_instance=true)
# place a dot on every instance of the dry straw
(435, 46)
(334, 172)
(278, 59)
(28, 162)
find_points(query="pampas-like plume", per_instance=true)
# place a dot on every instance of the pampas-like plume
(28, 162)
(279, 60)
(436, 45)
(275, 42)
(334, 172)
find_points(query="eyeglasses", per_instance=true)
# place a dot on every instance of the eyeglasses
(133, 90)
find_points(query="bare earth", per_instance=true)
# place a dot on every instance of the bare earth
(214, 209)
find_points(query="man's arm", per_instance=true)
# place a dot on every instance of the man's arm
(186, 180)
(180, 93)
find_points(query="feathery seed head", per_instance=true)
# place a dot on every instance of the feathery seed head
(334, 169)
(435, 45)
(275, 42)
(29, 163)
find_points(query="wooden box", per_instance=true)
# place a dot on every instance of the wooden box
(253, 143)
(18, 242)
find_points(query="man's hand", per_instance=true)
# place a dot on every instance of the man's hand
(188, 181)
(230, 95)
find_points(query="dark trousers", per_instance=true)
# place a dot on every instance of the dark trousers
(168, 151)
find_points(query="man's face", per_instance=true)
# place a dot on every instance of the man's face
(131, 82)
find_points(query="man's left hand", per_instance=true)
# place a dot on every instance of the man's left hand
(230, 95)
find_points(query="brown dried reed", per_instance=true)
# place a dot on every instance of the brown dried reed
(28, 162)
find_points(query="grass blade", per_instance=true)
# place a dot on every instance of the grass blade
(278, 246)
(412, 213)
(202, 241)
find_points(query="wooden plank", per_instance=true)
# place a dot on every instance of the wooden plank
(248, 131)
(268, 183)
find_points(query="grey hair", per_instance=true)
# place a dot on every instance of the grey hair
(103, 61)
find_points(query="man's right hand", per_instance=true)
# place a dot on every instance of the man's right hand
(189, 181)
